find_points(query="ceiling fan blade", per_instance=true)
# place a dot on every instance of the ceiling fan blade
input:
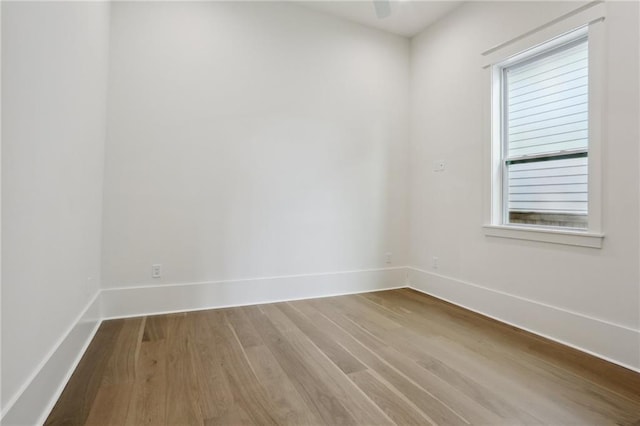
(383, 8)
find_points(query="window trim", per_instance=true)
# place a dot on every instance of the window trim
(547, 235)
(584, 21)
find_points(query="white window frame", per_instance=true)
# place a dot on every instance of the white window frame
(587, 20)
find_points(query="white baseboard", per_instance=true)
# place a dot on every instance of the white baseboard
(161, 299)
(612, 342)
(33, 402)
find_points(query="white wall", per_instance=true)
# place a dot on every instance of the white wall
(447, 209)
(54, 69)
(252, 140)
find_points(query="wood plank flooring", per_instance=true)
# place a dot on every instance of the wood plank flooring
(392, 357)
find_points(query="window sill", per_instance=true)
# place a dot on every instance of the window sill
(554, 236)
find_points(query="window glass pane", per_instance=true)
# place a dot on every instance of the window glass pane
(546, 102)
(551, 192)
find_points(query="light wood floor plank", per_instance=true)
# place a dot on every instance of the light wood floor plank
(121, 367)
(211, 378)
(559, 384)
(181, 403)
(340, 357)
(390, 357)
(111, 406)
(309, 383)
(150, 387)
(397, 408)
(363, 410)
(247, 392)
(78, 397)
(289, 406)
(493, 370)
(430, 404)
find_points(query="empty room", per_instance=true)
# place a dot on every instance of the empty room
(320, 212)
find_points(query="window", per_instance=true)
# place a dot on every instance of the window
(545, 137)
(544, 131)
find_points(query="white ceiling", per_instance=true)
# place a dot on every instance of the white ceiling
(407, 18)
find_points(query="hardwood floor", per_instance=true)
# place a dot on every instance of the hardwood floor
(392, 357)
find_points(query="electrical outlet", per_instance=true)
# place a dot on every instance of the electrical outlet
(156, 270)
(388, 257)
(434, 262)
(439, 166)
